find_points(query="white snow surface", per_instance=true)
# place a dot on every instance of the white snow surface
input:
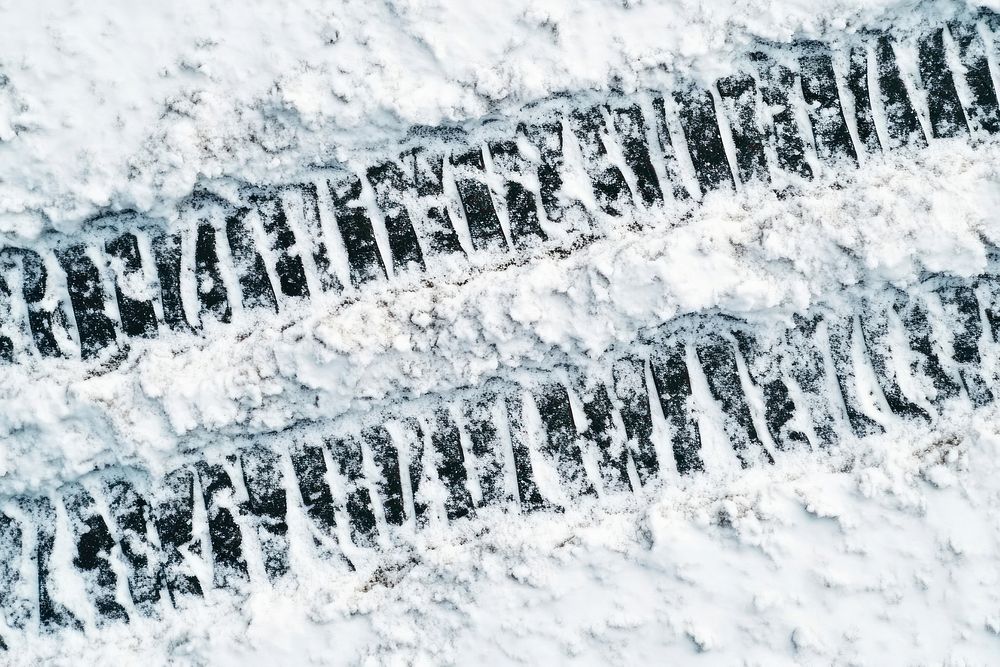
(885, 552)
(128, 105)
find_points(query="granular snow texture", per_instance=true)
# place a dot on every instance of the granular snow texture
(883, 552)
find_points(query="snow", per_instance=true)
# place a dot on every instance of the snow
(885, 551)
(128, 106)
(269, 372)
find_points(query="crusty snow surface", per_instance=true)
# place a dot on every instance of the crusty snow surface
(883, 552)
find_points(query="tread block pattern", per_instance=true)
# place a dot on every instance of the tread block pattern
(808, 370)
(389, 183)
(841, 335)
(167, 256)
(137, 314)
(875, 331)
(983, 111)
(547, 139)
(311, 477)
(529, 496)
(225, 537)
(97, 331)
(739, 100)
(857, 83)
(960, 300)
(927, 363)
(130, 514)
(779, 408)
(93, 553)
(484, 224)
(412, 442)
(599, 431)
(52, 614)
(312, 224)
(673, 389)
(426, 172)
(704, 142)
(819, 87)
(667, 149)
(947, 118)
(268, 504)
(777, 84)
(357, 232)
(390, 486)
(560, 444)
(988, 287)
(47, 324)
(6, 344)
(522, 205)
(451, 467)
(629, 375)
(347, 453)
(901, 119)
(718, 359)
(173, 516)
(212, 291)
(287, 261)
(481, 426)
(14, 605)
(254, 283)
(610, 188)
(631, 128)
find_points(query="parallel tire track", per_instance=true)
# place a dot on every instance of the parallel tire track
(700, 392)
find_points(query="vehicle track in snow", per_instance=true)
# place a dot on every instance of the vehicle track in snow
(702, 391)
(450, 202)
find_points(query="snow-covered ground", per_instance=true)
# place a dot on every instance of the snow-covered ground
(885, 552)
(900, 216)
(127, 106)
